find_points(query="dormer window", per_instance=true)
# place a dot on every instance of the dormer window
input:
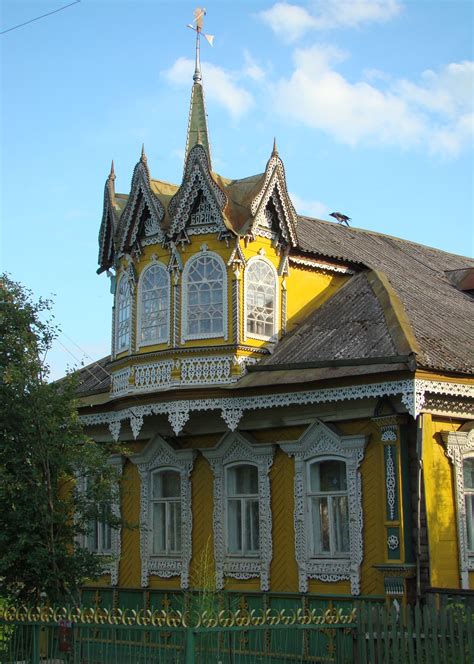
(154, 305)
(260, 299)
(123, 314)
(204, 305)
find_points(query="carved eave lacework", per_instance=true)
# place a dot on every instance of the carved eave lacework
(108, 228)
(144, 212)
(272, 210)
(460, 445)
(319, 441)
(158, 454)
(235, 448)
(197, 189)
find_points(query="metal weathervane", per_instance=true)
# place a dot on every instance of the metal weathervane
(196, 25)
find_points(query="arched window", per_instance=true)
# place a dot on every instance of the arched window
(242, 510)
(260, 300)
(468, 473)
(204, 306)
(165, 506)
(123, 314)
(328, 508)
(154, 305)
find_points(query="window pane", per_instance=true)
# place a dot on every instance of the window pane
(166, 484)
(260, 297)
(205, 294)
(159, 528)
(234, 526)
(341, 524)
(320, 525)
(252, 525)
(468, 469)
(242, 480)
(174, 537)
(154, 294)
(328, 476)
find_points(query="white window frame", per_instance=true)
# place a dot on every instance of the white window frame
(236, 449)
(167, 502)
(185, 335)
(251, 335)
(320, 443)
(158, 340)
(120, 349)
(112, 568)
(243, 498)
(158, 455)
(323, 494)
(460, 446)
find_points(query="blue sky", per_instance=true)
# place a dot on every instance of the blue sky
(371, 104)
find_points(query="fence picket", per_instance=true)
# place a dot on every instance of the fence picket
(371, 634)
(410, 627)
(418, 643)
(380, 635)
(435, 633)
(361, 631)
(386, 640)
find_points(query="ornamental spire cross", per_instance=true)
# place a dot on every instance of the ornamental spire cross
(196, 25)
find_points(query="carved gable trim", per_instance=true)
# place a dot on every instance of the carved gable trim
(141, 197)
(319, 441)
(158, 454)
(107, 231)
(274, 192)
(197, 178)
(233, 448)
(459, 446)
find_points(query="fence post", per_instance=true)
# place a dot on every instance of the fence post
(190, 645)
(35, 654)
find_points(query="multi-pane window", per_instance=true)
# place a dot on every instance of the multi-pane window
(124, 314)
(99, 532)
(205, 282)
(165, 506)
(154, 305)
(328, 508)
(260, 299)
(468, 472)
(242, 510)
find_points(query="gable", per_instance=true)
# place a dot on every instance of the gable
(107, 231)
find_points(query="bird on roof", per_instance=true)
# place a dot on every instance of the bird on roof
(341, 218)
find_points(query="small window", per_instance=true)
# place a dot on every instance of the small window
(166, 512)
(260, 299)
(154, 305)
(205, 307)
(99, 532)
(468, 472)
(124, 314)
(328, 508)
(242, 510)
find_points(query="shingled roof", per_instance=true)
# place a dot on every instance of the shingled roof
(440, 316)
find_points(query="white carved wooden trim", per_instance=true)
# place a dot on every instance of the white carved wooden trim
(321, 442)
(158, 454)
(234, 448)
(460, 446)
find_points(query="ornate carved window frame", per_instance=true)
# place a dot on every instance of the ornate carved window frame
(124, 277)
(320, 442)
(232, 449)
(157, 455)
(276, 307)
(166, 339)
(185, 336)
(460, 446)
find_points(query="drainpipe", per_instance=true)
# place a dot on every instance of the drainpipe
(419, 458)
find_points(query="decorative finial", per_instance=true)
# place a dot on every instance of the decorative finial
(274, 151)
(199, 14)
(143, 156)
(112, 171)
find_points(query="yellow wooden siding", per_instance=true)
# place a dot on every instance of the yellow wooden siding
(440, 504)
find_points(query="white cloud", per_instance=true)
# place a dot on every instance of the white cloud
(310, 208)
(291, 21)
(434, 113)
(251, 69)
(220, 85)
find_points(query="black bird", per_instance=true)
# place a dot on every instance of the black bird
(341, 218)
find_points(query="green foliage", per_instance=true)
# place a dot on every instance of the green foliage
(44, 457)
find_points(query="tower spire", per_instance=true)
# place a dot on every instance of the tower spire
(197, 123)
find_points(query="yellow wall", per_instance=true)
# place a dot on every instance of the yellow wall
(440, 504)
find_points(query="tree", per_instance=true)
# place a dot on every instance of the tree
(44, 458)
